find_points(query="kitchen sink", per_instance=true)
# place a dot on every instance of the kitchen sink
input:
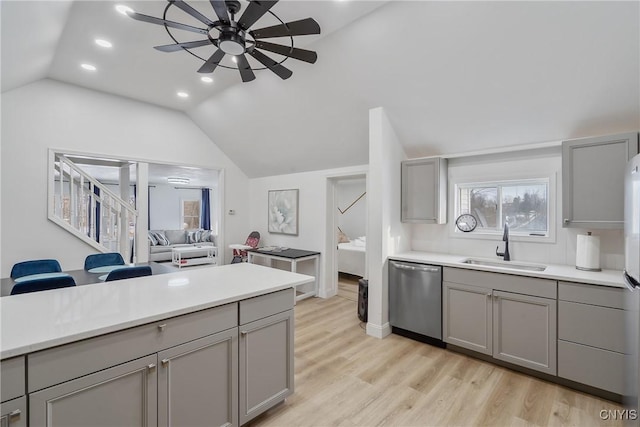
(504, 264)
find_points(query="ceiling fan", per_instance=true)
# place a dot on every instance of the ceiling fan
(236, 38)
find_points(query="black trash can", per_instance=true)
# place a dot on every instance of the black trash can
(363, 299)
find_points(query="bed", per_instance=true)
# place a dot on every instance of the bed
(351, 257)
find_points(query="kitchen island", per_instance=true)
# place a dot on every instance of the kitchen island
(156, 350)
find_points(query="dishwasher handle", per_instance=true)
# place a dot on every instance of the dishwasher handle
(416, 267)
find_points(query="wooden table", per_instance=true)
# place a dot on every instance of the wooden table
(83, 277)
(292, 256)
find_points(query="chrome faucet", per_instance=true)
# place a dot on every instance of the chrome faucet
(505, 238)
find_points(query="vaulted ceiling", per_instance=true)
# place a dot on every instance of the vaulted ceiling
(452, 76)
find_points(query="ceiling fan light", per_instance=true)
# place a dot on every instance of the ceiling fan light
(88, 67)
(231, 47)
(178, 180)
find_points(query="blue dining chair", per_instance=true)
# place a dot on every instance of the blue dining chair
(44, 284)
(100, 260)
(128, 273)
(38, 266)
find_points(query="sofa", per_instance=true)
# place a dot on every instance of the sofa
(161, 242)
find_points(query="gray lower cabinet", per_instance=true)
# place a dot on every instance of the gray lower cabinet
(467, 317)
(13, 413)
(197, 382)
(524, 330)
(591, 335)
(266, 363)
(511, 318)
(593, 180)
(124, 395)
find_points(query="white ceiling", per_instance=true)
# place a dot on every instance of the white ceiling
(452, 76)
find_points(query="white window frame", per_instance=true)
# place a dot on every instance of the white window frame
(496, 234)
(182, 221)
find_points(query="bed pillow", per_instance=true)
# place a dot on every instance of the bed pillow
(342, 238)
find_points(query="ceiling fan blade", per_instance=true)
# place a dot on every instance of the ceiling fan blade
(191, 11)
(292, 52)
(180, 46)
(282, 72)
(245, 69)
(153, 20)
(211, 63)
(254, 11)
(302, 27)
(221, 10)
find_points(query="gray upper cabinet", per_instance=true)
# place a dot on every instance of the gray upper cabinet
(424, 191)
(593, 180)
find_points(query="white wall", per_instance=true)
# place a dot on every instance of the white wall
(52, 114)
(312, 213)
(353, 221)
(386, 234)
(166, 204)
(526, 164)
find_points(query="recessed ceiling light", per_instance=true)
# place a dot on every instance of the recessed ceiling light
(103, 43)
(123, 9)
(183, 94)
(88, 67)
(206, 79)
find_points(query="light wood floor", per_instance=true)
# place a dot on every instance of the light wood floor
(345, 378)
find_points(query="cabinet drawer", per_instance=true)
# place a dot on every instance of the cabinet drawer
(14, 413)
(591, 294)
(592, 325)
(591, 366)
(502, 282)
(63, 363)
(12, 378)
(265, 305)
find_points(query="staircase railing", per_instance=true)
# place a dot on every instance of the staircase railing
(89, 210)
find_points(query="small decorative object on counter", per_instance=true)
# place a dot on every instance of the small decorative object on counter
(588, 252)
(466, 222)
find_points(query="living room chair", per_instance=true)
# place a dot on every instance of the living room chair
(101, 260)
(128, 273)
(240, 251)
(45, 284)
(38, 266)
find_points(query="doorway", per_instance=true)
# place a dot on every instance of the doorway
(346, 234)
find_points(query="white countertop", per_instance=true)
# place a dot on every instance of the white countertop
(39, 320)
(569, 273)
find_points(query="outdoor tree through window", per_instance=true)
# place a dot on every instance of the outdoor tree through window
(191, 214)
(523, 205)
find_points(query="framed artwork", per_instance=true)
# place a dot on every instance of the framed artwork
(283, 212)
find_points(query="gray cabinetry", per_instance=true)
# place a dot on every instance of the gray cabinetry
(510, 318)
(197, 382)
(266, 353)
(125, 395)
(591, 335)
(13, 409)
(593, 180)
(13, 413)
(467, 317)
(524, 330)
(424, 190)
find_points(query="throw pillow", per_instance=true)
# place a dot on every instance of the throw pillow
(342, 238)
(162, 239)
(205, 236)
(152, 240)
(194, 236)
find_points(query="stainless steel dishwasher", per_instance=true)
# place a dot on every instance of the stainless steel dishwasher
(415, 301)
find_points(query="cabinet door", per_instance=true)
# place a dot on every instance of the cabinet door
(14, 413)
(266, 364)
(125, 395)
(593, 180)
(198, 382)
(524, 331)
(424, 184)
(467, 317)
